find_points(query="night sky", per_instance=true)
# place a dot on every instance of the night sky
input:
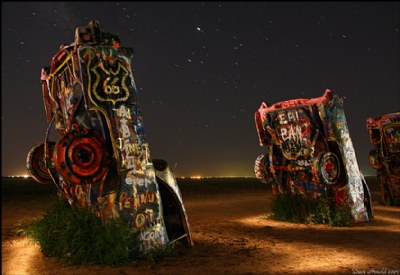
(202, 69)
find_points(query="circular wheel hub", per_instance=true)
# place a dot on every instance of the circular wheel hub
(81, 156)
(329, 167)
(36, 163)
(261, 168)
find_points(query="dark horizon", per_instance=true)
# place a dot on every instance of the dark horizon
(202, 69)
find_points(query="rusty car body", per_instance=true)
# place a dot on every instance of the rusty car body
(384, 133)
(310, 152)
(102, 159)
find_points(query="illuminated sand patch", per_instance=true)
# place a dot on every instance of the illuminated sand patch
(321, 248)
(21, 259)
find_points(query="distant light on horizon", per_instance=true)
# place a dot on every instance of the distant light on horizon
(25, 176)
(198, 104)
(197, 177)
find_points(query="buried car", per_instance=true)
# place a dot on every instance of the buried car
(384, 133)
(310, 152)
(102, 159)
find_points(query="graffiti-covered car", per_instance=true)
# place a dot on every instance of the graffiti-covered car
(309, 152)
(384, 133)
(102, 159)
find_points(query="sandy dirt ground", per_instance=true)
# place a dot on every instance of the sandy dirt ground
(231, 235)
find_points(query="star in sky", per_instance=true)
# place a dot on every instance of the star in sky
(203, 68)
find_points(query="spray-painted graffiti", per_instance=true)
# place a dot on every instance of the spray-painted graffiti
(384, 132)
(150, 239)
(293, 127)
(127, 143)
(309, 152)
(130, 202)
(102, 159)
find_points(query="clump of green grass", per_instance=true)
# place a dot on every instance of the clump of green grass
(155, 255)
(342, 216)
(77, 236)
(301, 209)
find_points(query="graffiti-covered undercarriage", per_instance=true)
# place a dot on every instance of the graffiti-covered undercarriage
(310, 152)
(384, 132)
(102, 159)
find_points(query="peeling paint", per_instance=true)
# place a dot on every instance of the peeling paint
(309, 152)
(102, 158)
(384, 132)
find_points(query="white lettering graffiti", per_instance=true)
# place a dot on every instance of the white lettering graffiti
(282, 118)
(304, 162)
(291, 132)
(122, 112)
(128, 159)
(129, 162)
(294, 131)
(288, 116)
(129, 180)
(151, 238)
(124, 128)
(143, 182)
